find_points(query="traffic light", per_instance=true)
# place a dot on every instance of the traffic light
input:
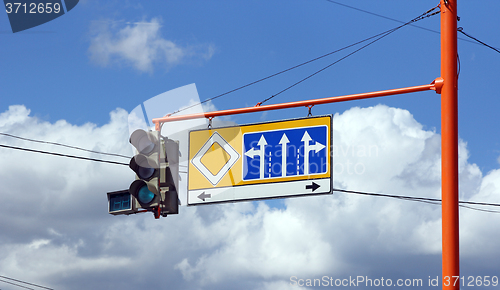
(146, 165)
(156, 166)
(169, 183)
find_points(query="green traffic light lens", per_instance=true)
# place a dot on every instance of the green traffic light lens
(145, 195)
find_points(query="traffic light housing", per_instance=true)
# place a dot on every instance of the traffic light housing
(169, 183)
(156, 165)
(146, 165)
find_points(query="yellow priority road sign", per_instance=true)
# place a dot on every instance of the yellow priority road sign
(257, 161)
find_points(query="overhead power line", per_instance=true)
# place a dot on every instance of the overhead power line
(424, 199)
(20, 281)
(63, 145)
(278, 73)
(62, 155)
(383, 34)
(461, 30)
(379, 15)
(380, 36)
(15, 284)
(463, 204)
(392, 19)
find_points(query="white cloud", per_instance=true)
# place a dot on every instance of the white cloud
(266, 243)
(478, 233)
(56, 231)
(140, 45)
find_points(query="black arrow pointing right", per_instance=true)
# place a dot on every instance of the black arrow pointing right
(202, 196)
(313, 186)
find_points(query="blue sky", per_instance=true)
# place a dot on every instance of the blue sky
(106, 58)
(51, 72)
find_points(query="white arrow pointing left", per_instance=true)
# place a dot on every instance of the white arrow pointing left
(261, 152)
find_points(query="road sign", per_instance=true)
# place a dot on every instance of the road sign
(258, 161)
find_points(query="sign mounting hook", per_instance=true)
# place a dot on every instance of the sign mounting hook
(310, 113)
(210, 122)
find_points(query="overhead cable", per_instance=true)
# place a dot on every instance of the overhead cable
(382, 35)
(411, 198)
(62, 155)
(63, 145)
(424, 199)
(461, 30)
(392, 19)
(15, 284)
(24, 282)
(278, 73)
(379, 15)
(299, 65)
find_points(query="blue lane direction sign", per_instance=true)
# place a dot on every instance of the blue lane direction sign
(258, 161)
(288, 152)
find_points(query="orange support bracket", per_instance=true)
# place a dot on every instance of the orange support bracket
(436, 85)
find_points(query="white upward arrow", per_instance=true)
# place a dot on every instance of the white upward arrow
(316, 147)
(261, 152)
(284, 140)
(306, 138)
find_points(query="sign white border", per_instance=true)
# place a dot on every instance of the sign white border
(233, 157)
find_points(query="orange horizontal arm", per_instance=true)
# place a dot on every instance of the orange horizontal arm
(435, 85)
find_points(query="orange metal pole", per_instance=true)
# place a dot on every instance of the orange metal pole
(435, 85)
(449, 146)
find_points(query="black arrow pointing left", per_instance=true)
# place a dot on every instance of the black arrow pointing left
(203, 195)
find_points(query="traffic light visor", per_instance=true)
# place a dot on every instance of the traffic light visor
(145, 173)
(143, 141)
(144, 167)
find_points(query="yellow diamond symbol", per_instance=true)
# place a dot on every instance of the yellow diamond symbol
(219, 155)
(215, 158)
